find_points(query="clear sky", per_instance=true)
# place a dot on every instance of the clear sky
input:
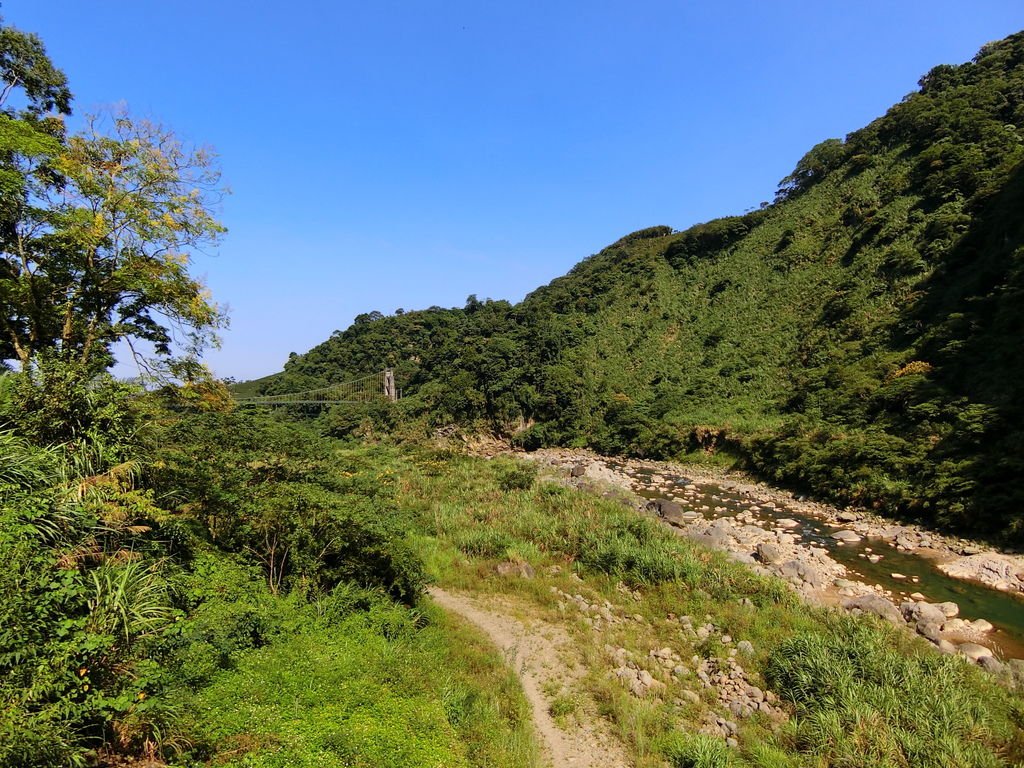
(388, 154)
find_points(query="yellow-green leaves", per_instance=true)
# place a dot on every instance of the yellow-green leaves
(101, 251)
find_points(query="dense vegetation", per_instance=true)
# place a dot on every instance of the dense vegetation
(176, 573)
(859, 337)
(186, 583)
(860, 694)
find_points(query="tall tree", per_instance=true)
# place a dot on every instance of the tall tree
(97, 230)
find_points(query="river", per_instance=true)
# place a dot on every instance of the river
(870, 561)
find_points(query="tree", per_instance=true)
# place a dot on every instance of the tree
(24, 65)
(97, 230)
(99, 240)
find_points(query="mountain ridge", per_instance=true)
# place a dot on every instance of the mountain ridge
(858, 337)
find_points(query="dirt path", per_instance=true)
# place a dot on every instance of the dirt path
(538, 654)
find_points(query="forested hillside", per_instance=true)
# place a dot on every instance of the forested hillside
(859, 337)
(191, 583)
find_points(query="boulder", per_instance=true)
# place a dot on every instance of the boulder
(667, 510)
(522, 570)
(930, 631)
(801, 573)
(992, 665)
(769, 553)
(875, 604)
(995, 570)
(922, 612)
(949, 609)
(946, 647)
(847, 537)
(713, 537)
(973, 651)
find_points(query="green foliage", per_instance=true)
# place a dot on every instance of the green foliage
(25, 65)
(698, 751)
(57, 401)
(860, 702)
(859, 694)
(519, 477)
(274, 491)
(483, 520)
(786, 338)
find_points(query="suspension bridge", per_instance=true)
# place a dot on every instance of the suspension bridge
(366, 389)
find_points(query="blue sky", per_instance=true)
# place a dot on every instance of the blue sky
(390, 154)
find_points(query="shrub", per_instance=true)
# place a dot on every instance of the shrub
(519, 477)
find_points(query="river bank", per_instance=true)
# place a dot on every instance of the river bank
(962, 596)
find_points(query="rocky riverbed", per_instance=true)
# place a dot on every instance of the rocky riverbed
(832, 556)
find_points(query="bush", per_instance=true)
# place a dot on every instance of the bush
(519, 477)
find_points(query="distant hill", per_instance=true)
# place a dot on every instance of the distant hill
(861, 337)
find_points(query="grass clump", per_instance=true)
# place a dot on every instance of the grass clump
(861, 702)
(696, 750)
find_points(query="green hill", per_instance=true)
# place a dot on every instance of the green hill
(860, 337)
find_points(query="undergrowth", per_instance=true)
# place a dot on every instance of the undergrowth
(856, 692)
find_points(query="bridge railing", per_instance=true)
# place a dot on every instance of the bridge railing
(365, 389)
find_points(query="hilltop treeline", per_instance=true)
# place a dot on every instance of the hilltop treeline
(859, 337)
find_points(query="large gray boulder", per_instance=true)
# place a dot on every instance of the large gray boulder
(669, 511)
(713, 537)
(876, 605)
(973, 651)
(769, 553)
(798, 573)
(927, 613)
(847, 537)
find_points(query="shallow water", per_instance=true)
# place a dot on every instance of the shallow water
(976, 601)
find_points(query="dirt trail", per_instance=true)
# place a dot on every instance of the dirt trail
(538, 654)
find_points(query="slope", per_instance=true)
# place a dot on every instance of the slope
(859, 337)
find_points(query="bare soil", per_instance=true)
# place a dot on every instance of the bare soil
(543, 658)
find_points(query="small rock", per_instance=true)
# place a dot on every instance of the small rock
(745, 647)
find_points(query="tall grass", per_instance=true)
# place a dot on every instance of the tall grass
(858, 694)
(861, 702)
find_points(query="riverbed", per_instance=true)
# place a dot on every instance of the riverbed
(878, 557)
